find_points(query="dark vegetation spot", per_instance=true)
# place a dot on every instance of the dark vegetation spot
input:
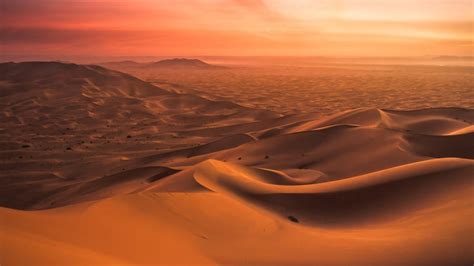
(68, 148)
(266, 157)
(128, 137)
(21, 157)
(240, 158)
(293, 219)
(25, 146)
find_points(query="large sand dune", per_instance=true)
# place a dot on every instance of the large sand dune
(99, 167)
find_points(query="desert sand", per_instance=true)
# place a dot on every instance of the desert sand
(289, 87)
(99, 167)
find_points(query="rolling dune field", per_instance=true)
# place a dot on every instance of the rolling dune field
(249, 165)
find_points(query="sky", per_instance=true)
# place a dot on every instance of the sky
(342, 28)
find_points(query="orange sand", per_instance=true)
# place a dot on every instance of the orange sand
(153, 176)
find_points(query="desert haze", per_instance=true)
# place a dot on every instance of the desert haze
(236, 132)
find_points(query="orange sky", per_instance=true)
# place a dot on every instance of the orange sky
(237, 27)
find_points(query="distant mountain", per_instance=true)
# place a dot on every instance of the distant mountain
(175, 63)
(183, 63)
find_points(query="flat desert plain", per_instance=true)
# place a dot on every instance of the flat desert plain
(236, 165)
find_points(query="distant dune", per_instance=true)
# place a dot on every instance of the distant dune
(122, 172)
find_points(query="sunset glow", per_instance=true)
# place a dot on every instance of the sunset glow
(236, 132)
(238, 27)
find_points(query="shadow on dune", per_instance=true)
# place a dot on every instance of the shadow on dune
(374, 197)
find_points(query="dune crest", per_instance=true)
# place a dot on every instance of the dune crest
(342, 202)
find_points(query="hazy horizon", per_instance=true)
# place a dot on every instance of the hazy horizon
(435, 60)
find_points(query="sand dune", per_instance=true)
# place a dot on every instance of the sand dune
(346, 202)
(65, 124)
(99, 167)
